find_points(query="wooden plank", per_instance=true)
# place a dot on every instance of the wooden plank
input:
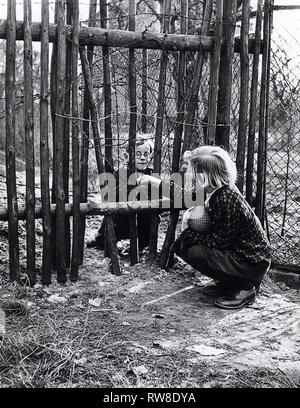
(85, 146)
(190, 136)
(29, 144)
(134, 249)
(286, 7)
(174, 215)
(267, 110)
(225, 74)
(99, 159)
(91, 208)
(66, 155)
(159, 127)
(10, 149)
(107, 94)
(53, 86)
(180, 92)
(144, 89)
(93, 109)
(286, 267)
(109, 167)
(118, 38)
(253, 110)
(59, 146)
(244, 97)
(84, 154)
(261, 154)
(44, 147)
(75, 261)
(214, 76)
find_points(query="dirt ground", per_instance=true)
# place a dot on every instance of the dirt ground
(99, 332)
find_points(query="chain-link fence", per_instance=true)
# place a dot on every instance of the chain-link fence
(283, 148)
(147, 67)
(283, 140)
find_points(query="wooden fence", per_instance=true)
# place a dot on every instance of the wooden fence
(59, 91)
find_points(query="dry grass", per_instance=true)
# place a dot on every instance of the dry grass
(77, 345)
(74, 344)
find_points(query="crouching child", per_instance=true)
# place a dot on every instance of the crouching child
(234, 251)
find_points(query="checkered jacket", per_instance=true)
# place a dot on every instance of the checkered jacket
(234, 226)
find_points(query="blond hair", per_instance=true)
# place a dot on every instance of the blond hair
(215, 165)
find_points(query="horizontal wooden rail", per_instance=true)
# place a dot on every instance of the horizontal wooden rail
(286, 7)
(92, 208)
(130, 39)
(286, 267)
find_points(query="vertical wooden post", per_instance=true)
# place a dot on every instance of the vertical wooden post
(107, 94)
(261, 156)
(115, 86)
(159, 127)
(190, 141)
(267, 110)
(214, 76)
(225, 74)
(66, 161)
(180, 91)
(109, 167)
(244, 96)
(59, 145)
(113, 250)
(75, 143)
(44, 148)
(10, 92)
(144, 90)
(84, 155)
(253, 102)
(53, 86)
(174, 214)
(29, 144)
(134, 250)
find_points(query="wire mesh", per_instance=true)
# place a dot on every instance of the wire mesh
(283, 147)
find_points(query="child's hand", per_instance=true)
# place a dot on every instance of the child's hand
(185, 219)
(146, 179)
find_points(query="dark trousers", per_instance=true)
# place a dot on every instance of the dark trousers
(121, 224)
(223, 266)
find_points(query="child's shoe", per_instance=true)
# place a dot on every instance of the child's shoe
(236, 299)
(216, 289)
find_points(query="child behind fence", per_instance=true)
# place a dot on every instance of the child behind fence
(143, 151)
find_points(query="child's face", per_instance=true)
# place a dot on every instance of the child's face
(185, 165)
(185, 162)
(142, 156)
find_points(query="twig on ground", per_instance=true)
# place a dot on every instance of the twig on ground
(169, 295)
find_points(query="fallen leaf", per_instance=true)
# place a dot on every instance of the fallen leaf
(95, 302)
(57, 299)
(82, 361)
(140, 370)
